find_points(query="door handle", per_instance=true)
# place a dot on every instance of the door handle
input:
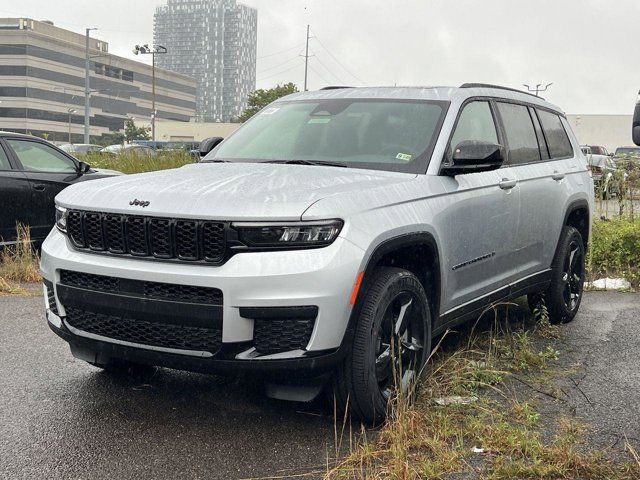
(507, 184)
(39, 187)
(557, 176)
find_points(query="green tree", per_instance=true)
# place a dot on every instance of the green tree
(131, 132)
(261, 98)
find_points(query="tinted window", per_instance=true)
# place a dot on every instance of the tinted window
(544, 152)
(475, 123)
(557, 139)
(4, 161)
(39, 157)
(521, 136)
(381, 134)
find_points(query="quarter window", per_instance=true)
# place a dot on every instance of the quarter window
(557, 139)
(520, 133)
(38, 157)
(475, 123)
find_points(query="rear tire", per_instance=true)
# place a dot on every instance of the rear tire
(564, 294)
(392, 334)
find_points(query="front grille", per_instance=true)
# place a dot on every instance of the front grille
(51, 299)
(160, 238)
(142, 332)
(274, 336)
(141, 288)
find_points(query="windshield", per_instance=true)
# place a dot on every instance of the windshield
(394, 135)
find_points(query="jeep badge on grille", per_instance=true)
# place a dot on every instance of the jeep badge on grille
(139, 203)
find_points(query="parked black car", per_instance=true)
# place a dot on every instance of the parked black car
(32, 172)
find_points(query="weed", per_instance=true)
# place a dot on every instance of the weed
(19, 262)
(496, 436)
(134, 163)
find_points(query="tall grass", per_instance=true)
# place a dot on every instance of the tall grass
(18, 263)
(133, 163)
(488, 430)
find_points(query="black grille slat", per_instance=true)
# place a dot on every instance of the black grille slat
(93, 231)
(137, 239)
(159, 238)
(187, 239)
(154, 290)
(213, 239)
(74, 228)
(114, 233)
(142, 332)
(275, 336)
(160, 233)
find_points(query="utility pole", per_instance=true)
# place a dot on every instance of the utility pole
(70, 111)
(538, 88)
(147, 50)
(87, 87)
(306, 61)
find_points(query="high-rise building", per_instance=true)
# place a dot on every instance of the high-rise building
(215, 42)
(42, 82)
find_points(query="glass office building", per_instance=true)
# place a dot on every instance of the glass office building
(215, 42)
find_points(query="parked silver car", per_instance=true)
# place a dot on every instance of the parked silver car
(329, 239)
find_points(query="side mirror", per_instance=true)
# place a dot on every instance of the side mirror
(83, 168)
(475, 156)
(209, 144)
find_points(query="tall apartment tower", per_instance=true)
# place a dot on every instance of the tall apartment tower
(215, 42)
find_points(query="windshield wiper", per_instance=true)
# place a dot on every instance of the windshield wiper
(308, 162)
(214, 161)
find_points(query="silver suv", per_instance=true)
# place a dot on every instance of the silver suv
(327, 241)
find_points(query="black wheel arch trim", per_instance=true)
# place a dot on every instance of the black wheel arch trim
(384, 248)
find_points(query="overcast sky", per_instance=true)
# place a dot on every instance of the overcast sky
(587, 48)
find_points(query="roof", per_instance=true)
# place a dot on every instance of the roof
(456, 95)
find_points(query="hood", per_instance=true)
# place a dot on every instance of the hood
(225, 191)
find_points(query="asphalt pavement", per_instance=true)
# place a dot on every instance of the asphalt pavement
(63, 419)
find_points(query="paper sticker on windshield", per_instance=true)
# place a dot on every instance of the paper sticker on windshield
(319, 120)
(405, 157)
(270, 110)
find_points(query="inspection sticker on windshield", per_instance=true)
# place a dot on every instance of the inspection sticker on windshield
(270, 110)
(319, 120)
(404, 157)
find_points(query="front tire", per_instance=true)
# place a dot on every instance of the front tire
(564, 295)
(391, 344)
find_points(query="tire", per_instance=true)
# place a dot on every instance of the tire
(564, 295)
(365, 384)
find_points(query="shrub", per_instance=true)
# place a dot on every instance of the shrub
(19, 262)
(132, 163)
(614, 250)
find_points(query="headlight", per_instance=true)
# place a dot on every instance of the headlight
(288, 235)
(61, 218)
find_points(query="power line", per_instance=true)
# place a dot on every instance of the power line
(278, 73)
(329, 71)
(277, 66)
(319, 74)
(281, 51)
(338, 61)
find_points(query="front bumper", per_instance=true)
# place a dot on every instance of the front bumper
(320, 277)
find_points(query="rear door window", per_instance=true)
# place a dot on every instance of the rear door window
(556, 135)
(520, 133)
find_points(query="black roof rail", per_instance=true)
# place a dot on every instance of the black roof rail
(488, 85)
(335, 87)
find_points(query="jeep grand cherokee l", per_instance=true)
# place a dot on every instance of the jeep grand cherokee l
(331, 237)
